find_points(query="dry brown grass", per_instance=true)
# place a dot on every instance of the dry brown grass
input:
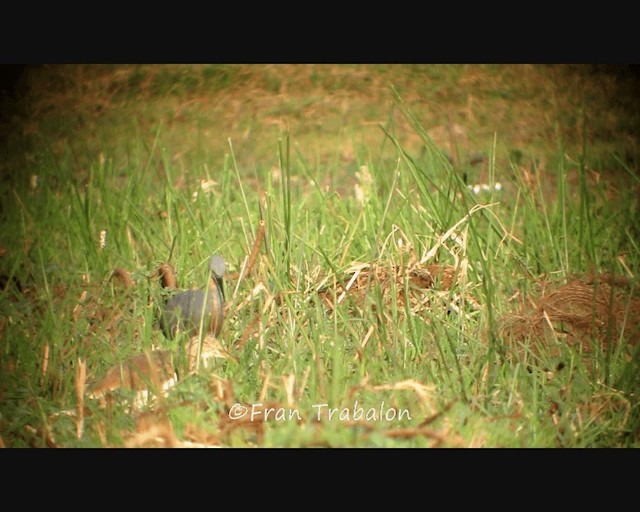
(359, 280)
(597, 307)
(527, 106)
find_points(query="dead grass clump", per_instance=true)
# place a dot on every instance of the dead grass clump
(601, 307)
(200, 437)
(153, 430)
(359, 280)
(136, 373)
(424, 286)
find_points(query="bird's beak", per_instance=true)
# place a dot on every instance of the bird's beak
(220, 285)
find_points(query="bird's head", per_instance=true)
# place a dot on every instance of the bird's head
(217, 267)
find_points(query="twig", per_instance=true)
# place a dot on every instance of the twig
(367, 336)
(253, 256)
(256, 246)
(248, 332)
(432, 252)
(81, 376)
(45, 360)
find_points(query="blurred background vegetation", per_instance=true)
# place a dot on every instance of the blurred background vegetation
(330, 110)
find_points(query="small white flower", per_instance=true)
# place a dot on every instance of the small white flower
(498, 186)
(103, 239)
(359, 193)
(364, 176)
(206, 186)
(364, 188)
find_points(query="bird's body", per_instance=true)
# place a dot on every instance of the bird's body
(184, 311)
(187, 310)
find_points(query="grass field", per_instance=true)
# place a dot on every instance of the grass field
(447, 255)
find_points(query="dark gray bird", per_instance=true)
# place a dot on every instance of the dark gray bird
(185, 310)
